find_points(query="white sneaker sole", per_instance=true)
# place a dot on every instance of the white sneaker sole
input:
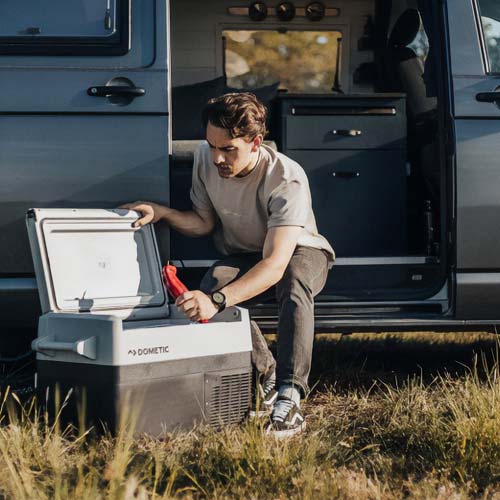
(286, 433)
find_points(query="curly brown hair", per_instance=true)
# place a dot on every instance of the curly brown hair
(241, 113)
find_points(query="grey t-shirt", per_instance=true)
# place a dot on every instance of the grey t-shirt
(275, 193)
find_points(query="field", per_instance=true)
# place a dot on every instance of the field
(391, 416)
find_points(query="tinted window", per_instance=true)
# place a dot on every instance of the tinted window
(33, 26)
(490, 18)
(302, 61)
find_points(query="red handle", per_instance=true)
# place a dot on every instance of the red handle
(174, 285)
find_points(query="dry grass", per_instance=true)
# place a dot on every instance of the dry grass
(391, 416)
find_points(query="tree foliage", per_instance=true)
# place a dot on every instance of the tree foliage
(302, 61)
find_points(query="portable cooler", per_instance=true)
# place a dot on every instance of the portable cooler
(108, 332)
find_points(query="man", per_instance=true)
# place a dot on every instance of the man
(259, 204)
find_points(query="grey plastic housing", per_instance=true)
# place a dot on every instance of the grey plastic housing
(108, 340)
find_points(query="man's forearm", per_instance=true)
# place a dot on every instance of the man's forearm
(258, 279)
(189, 223)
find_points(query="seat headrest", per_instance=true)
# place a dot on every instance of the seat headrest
(405, 29)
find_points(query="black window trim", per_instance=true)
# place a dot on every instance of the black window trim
(115, 45)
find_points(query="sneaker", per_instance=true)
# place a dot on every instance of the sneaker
(286, 419)
(264, 398)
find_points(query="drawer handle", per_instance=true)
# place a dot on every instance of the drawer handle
(347, 133)
(345, 175)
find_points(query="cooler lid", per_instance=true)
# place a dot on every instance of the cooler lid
(93, 260)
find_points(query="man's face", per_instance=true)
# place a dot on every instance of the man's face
(232, 157)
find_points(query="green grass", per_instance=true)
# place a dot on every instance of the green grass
(391, 416)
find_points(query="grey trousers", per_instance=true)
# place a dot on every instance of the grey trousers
(304, 278)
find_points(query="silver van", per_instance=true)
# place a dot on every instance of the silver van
(391, 107)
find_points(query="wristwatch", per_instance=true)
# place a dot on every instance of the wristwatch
(219, 299)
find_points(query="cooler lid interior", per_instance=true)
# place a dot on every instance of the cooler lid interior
(96, 261)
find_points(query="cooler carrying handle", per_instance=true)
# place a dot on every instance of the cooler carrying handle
(85, 347)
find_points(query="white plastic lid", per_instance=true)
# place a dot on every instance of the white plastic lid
(95, 261)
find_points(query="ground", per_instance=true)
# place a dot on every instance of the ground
(390, 416)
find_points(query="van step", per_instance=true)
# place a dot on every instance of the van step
(350, 325)
(270, 310)
(340, 261)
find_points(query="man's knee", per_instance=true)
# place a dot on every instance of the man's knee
(217, 277)
(305, 274)
(226, 271)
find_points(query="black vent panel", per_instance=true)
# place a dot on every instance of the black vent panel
(229, 398)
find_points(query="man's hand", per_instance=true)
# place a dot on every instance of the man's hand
(191, 222)
(196, 305)
(151, 212)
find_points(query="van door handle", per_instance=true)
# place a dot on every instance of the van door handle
(111, 91)
(488, 97)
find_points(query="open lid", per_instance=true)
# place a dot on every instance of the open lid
(91, 260)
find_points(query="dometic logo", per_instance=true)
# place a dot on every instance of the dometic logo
(147, 351)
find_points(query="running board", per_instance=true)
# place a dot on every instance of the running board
(340, 261)
(351, 325)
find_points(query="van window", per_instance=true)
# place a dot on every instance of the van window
(34, 27)
(302, 61)
(490, 19)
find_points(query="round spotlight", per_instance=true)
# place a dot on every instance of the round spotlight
(257, 11)
(285, 11)
(315, 11)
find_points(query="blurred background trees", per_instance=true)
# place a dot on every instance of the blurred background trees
(302, 61)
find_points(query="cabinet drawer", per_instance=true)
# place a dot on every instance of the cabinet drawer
(346, 132)
(359, 200)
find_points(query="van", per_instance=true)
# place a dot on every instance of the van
(391, 107)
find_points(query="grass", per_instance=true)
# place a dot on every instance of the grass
(391, 416)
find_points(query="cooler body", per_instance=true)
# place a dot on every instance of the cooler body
(153, 398)
(149, 376)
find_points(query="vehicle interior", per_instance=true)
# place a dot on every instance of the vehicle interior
(354, 92)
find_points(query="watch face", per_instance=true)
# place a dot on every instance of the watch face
(218, 297)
